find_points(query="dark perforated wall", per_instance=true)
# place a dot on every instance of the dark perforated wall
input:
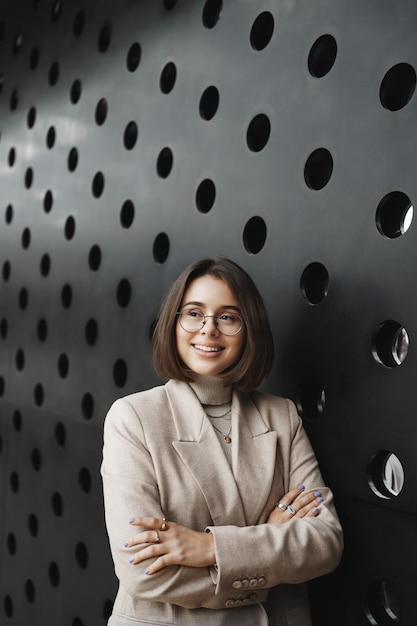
(137, 136)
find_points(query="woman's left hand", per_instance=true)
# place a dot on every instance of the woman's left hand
(293, 504)
(170, 544)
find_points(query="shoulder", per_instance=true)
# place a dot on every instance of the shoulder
(277, 411)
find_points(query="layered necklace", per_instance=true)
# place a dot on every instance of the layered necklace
(225, 432)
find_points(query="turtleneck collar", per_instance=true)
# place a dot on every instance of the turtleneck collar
(211, 390)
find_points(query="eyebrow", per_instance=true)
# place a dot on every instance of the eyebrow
(202, 305)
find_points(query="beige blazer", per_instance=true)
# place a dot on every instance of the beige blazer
(161, 457)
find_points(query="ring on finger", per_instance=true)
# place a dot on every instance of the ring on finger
(157, 536)
(164, 525)
(282, 506)
(291, 510)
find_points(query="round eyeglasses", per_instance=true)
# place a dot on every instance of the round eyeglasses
(227, 323)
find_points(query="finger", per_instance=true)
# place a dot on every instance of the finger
(146, 522)
(148, 536)
(289, 497)
(151, 551)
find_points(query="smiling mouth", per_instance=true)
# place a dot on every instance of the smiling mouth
(208, 348)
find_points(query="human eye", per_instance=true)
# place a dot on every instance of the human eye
(228, 318)
(192, 313)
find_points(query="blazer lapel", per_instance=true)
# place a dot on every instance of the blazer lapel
(201, 452)
(254, 456)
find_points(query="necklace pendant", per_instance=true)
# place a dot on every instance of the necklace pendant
(228, 439)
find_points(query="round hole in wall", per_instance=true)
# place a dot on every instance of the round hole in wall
(124, 292)
(42, 329)
(390, 344)
(8, 606)
(104, 38)
(94, 258)
(258, 132)
(318, 169)
(81, 555)
(33, 525)
(36, 459)
(87, 406)
(57, 504)
(398, 86)
(127, 214)
(168, 77)
(31, 117)
(211, 12)
(205, 195)
(385, 474)
(69, 229)
(60, 435)
(66, 296)
(20, 360)
(11, 158)
(9, 214)
(6, 271)
(394, 214)
(381, 602)
(11, 544)
(34, 58)
(84, 480)
(28, 178)
(53, 574)
(120, 373)
(91, 332)
(72, 161)
(97, 186)
(310, 399)
(209, 103)
(14, 482)
(161, 247)
(48, 201)
(23, 298)
(63, 365)
(30, 591)
(322, 56)
(39, 395)
(78, 25)
(50, 137)
(17, 421)
(164, 162)
(133, 57)
(101, 111)
(53, 74)
(254, 235)
(314, 283)
(262, 30)
(130, 135)
(45, 265)
(75, 93)
(14, 100)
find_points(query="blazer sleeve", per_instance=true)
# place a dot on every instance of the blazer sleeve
(129, 486)
(294, 552)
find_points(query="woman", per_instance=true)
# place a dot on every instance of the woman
(215, 506)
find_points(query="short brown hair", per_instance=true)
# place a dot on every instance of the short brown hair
(258, 353)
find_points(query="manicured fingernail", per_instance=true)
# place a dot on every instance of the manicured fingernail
(320, 500)
(315, 510)
(126, 543)
(132, 519)
(146, 571)
(317, 494)
(301, 487)
(131, 559)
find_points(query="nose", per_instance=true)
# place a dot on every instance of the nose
(209, 326)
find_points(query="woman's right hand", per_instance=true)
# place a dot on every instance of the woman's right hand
(295, 505)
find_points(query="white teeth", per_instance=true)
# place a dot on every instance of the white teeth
(207, 348)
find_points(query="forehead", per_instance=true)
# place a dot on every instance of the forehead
(209, 291)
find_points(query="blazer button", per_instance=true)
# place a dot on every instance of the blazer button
(237, 584)
(245, 583)
(261, 581)
(238, 602)
(230, 604)
(253, 582)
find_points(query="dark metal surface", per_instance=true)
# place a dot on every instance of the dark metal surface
(138, 136)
